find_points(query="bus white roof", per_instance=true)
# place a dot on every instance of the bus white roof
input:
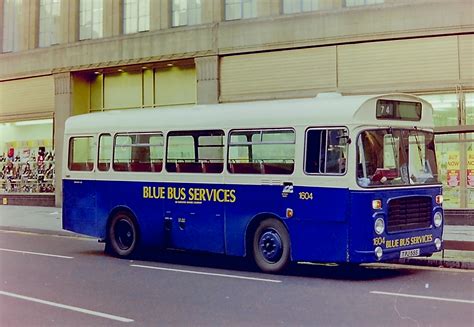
(323, 110)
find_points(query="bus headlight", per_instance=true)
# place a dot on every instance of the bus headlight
(438, 219)
(379, 226)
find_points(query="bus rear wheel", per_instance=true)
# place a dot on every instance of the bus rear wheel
(122, 235)
(271, 246)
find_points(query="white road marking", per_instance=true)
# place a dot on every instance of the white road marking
(37, 253)
(67, 307)
(209, 274)
(413, 267)
(423, 297)
(73, 236)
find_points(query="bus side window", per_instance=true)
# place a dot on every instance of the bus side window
(326, 151)
(335, 152)
(138, 152)
(266, 151)
(195, 152)
(81, 153)
(315, 145)
(105, 152)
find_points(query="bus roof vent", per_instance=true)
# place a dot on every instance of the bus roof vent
(328, 95)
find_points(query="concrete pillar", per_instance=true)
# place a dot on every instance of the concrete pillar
(330, 4)
(165, 14)
(1, 25)
(33, 24)
(113, 17)
(22, 25)
(207, 75)
(269, 8)
(69, 21)
(62, 110)
(155, 15)
(212, 11)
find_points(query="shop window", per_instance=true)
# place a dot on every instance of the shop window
(139, 152)
(296, 6)
(240, 9)
(175, 85)
(470, 108)
(445, 108)
(470, 169)
(27, 161)
(81, 153)
(326, 151)
(195, 152)
(448, 151)
(262, 152)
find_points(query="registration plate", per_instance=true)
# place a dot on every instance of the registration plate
(409, 253)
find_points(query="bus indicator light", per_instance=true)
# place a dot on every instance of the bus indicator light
(378, 252)
(376, 204)
(289, 212)
(439, 199)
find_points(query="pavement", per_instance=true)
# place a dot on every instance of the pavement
(48, 220)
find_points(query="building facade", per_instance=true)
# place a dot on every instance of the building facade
(68, 57)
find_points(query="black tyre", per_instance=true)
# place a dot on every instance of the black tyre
(271, 246)
(122, 235)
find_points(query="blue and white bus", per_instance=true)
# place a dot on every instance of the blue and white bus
(347, 179)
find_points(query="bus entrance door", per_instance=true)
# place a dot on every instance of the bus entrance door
(194, 221)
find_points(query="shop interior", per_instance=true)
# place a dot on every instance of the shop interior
(27, 163)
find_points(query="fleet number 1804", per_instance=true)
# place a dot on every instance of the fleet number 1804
(306, 195)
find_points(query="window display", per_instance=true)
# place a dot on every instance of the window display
(470, 169)
(470, 108)
(28, 172)
(27, 162)
(455, 152)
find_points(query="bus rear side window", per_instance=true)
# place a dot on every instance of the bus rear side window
(81, 153)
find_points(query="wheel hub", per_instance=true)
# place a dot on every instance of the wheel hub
(271, 246)
(124, 234)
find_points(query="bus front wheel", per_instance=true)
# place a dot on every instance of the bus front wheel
(122, 235)
(271, 246)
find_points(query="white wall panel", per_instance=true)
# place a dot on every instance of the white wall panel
(399, 62)
(466, 58)
(271, 74)
(27, 98)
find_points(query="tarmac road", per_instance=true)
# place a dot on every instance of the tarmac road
(69, 281)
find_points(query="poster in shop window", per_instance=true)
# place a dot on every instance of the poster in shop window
(453, 166)
(470, 169)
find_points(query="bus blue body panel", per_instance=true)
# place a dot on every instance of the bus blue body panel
(364, 240)
(79, 211)
(325, 226)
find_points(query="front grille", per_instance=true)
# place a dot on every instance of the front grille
(409, 213)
